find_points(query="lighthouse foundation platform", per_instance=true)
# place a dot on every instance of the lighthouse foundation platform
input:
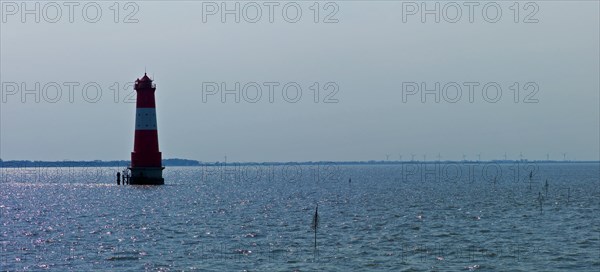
(146, 176)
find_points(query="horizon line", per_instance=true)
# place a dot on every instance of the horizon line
(190, 162)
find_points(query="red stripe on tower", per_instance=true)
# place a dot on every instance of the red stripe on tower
(146, 159)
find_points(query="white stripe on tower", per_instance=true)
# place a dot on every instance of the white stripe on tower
(145, 119)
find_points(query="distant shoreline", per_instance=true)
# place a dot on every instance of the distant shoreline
(185, 162)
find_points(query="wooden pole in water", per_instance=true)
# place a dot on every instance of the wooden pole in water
(315, 224)
(530, 178)
(541, 201)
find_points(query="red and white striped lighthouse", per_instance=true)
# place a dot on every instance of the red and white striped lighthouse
(146, 160)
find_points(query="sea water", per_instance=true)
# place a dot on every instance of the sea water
(397, 217)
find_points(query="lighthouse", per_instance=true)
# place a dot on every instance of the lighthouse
(146, 159)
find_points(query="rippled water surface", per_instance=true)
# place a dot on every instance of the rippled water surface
(404, 217)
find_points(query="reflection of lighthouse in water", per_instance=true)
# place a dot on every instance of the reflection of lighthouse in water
(146, 160)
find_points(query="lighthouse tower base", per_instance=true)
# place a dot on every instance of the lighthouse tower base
(146, 176)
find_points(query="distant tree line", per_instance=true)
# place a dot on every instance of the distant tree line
(95, 163)
(185, 162)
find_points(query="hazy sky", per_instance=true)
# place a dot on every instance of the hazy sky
(373, 56)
